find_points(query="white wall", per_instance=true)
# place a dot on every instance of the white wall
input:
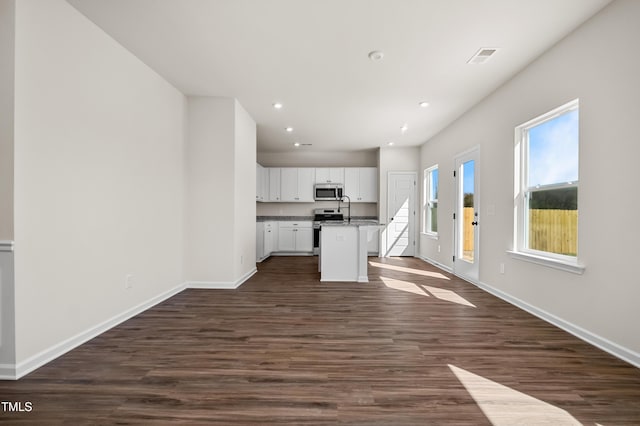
(98, 178)
(220, 192)
(245, 190)
(305, 158)
(7, 314)
(209, 219)
(7, 40)
(306, 209)
(597, 64)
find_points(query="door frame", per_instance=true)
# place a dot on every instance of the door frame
(459, 268)
(412, 218)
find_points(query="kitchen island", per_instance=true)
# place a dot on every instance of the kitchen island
(343, 250)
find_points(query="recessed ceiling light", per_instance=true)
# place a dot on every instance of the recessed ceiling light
(376, 55)
(277, 105)
(423, 104)
(297, 144)
(391, 143)
(289, 129)
(404, 129)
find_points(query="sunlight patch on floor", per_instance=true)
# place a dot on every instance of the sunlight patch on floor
(403, 286)
(425, 290)
(505, 406)
(448, 295)
(409, 270)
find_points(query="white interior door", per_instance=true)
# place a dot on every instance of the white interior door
(401, 238)
(466, 220)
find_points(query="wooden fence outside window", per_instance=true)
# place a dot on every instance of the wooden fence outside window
(554, 231)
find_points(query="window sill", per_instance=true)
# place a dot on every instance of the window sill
(430, 235)
(545, 261)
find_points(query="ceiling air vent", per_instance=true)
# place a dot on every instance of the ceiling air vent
(482, 55)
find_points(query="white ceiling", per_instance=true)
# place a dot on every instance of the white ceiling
(311, 55)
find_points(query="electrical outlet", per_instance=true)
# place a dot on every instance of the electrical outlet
(438, 248)
(241, 259)
(502, 268)
(128, 281)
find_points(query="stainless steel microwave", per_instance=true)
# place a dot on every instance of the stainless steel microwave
(327, 191)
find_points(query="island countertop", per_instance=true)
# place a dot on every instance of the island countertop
(354, 222)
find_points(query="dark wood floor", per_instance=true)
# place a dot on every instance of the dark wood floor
(414, 346)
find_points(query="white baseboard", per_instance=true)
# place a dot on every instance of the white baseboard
(436, 264)
(16, 371)
(221, 285)
(606, 345)
(25, 367)
(292, 253)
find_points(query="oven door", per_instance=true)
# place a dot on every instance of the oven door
(316, 238)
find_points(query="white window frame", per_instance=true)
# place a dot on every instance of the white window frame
(520, 245)
(426, 201)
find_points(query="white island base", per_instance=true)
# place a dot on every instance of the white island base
(343, 251)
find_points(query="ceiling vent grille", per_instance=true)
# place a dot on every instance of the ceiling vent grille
(483, 55)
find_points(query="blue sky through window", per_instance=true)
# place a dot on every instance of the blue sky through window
(553, 151)
(468, 169)
(434, 184)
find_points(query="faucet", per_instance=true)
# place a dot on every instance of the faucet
(349, 206)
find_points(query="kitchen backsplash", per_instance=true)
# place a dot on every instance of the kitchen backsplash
(306, 209)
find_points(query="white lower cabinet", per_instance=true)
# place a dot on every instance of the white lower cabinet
(266, 239)
(269, 238)
(259, 241)
(295, 236)
(304, 240)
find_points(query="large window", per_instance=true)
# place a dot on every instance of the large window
(430, 208)
(547, 185)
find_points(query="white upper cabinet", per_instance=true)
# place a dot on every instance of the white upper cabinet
(259, 195)
(330, 175)
(306, 176)
(274, 184)
(361, 184)
(262, 183)
(296, 184)
(368, 184)
(288, 184)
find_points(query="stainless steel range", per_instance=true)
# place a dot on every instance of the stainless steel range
(320, 216)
